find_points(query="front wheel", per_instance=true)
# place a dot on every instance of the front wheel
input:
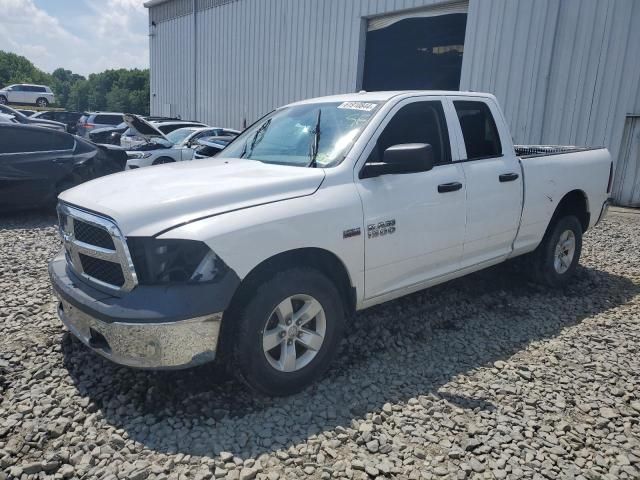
(288, 332)
(3, 100)
(555, 260)
(42, 102)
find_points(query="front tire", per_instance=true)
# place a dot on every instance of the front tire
(42, 102)
(555, 260)
(288, 332)
(3, 100)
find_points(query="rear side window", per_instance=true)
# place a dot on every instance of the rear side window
(479, 130)
(24, 140)
(418, 122)
(108, 119)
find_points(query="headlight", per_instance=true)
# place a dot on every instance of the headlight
(139, 154)
(174, 261)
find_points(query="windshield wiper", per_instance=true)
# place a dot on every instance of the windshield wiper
(255, 140)
(313, 151)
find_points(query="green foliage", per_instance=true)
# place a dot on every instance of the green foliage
(119, 90)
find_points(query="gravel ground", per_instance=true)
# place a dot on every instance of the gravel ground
(485, 377)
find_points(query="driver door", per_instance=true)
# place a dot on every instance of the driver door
(414, 223)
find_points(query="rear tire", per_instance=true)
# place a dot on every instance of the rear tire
(3, 100)
(162, 160)
(288, 331)
(42, 102)
(555, 260)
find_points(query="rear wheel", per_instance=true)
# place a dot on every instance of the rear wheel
(161, 160)
(555, 260)
(3, 100)
(42, 102)
(288, 331)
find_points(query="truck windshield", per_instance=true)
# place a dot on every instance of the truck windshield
(316, 134)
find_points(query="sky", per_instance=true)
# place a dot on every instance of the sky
(84, 36)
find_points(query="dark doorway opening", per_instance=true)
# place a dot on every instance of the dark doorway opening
(422, 53)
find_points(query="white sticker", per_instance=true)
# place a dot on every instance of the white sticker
(365, 107)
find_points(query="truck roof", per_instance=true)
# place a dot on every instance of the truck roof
(387, 95)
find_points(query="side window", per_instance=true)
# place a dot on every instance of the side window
(479, 130)
(28, 140)
(418, 122)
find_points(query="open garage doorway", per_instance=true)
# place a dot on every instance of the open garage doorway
(416, 50)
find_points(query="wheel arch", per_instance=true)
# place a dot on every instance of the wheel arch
(574, 203)
(325, 261)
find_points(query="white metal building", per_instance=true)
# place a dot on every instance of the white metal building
(565, 71)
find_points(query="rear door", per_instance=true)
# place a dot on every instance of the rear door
(18, 94)
(414, 223)
(493, 176)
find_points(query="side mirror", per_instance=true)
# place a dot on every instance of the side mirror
(401, 159)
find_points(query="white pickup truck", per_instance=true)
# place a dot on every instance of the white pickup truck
(321, 208)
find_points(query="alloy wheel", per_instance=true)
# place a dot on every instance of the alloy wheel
(294, 333)
(564, 252)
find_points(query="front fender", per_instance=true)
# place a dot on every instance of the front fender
(245, 238)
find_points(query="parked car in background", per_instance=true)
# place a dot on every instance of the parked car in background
(210, 146)
(93, 120)
(108, 135)
(21, 118)
(111, 135)
(37, 163)
(26, 113)
(159, 148)
(152, 129)
(26, 93)
(70, 119)
(322, 208)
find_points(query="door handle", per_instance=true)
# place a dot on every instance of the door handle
(449, 187)
(508, 177)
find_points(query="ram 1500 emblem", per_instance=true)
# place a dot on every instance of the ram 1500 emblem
(379, 229)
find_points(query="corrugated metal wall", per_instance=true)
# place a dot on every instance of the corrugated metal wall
(254, 55)
(565, 71)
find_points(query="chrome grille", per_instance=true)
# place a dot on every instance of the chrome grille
(103, 270)
(96, 249)
(92, 235)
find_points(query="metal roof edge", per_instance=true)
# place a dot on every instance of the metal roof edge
(154, 3)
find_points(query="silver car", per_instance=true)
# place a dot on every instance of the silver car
(25, 93)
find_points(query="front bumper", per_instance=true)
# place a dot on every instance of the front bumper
(155, 327)
(168, 345)
(133, 163)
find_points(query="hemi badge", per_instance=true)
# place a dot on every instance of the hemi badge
(352, 232)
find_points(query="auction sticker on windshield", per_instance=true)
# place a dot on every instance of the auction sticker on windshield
(365, 107)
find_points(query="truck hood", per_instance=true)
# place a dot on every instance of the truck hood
(147, 201)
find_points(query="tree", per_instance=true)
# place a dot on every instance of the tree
(118, 90)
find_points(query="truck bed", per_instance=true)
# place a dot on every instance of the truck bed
(529, 151)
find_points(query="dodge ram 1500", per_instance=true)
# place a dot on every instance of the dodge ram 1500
(321, 208)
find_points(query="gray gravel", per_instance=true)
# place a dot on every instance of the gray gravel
(485, 377)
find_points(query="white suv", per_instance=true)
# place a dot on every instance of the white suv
(24, 93)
